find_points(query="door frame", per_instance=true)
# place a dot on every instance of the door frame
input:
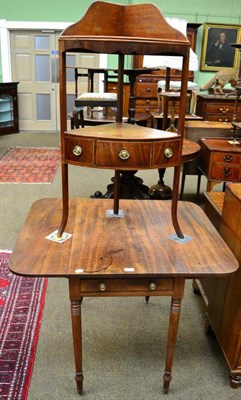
(7, 26)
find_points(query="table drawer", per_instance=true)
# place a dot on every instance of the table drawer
(79, 151)
(225, 173)
(126, 285)
(124, 155)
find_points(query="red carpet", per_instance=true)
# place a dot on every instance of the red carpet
(29, 165)
(21, 308)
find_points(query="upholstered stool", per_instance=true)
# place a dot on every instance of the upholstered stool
(92, 100)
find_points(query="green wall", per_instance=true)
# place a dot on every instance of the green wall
(200, 11)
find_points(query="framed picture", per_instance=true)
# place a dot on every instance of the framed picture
(216, 50)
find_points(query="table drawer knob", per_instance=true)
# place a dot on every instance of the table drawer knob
(168, 152)
(102, 287)
(152, 286)
(124, 154)
(77, 151)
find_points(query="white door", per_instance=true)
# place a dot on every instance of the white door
(35, 65)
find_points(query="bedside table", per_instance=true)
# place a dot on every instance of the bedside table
(220, 161)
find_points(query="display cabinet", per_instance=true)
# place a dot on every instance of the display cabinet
(8, 108)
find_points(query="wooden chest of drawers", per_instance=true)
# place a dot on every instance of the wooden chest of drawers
(217, 108)
(222, 295)
(220, 161)
(146, 93)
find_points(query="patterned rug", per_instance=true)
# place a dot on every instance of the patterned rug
(21, 308)
(29, 165)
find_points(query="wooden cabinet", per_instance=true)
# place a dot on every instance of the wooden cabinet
(217, 108)
(8, 108)
(146, 85)
(220, 161)
(223, 295)
(112, 87)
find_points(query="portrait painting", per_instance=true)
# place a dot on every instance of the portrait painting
(217, 53)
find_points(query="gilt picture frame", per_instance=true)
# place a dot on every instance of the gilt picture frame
(217, 53)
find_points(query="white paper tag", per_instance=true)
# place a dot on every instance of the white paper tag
(53, 236)
(129, 269)
(78, 270)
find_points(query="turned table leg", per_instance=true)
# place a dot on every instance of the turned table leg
(172, 330)
(77, 333)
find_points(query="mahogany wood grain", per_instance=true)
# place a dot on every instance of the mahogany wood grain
(213, 207)
(220, 161)
(139, 240)
(134, 257)
(223, 300)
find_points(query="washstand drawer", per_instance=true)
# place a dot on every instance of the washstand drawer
(166, 153)
(126, 285)
(79, 151)
(124, 155)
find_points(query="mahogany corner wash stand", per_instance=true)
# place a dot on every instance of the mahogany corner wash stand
(127, 251)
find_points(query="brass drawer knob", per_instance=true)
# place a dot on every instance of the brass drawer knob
(124, 154)
(224, 111)
(77, 150)
(168, 152)
(226, 172)
(152, 286)
(228, 158)
(102, 287)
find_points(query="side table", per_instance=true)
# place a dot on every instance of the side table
(220, 161)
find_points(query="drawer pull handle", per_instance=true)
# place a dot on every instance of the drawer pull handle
(168, 152)
(224, 111)
(124, 154)
(102, 287)
(228, 158)
(77, 151)
(152, 286)
(226, 172)
(148, 90)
